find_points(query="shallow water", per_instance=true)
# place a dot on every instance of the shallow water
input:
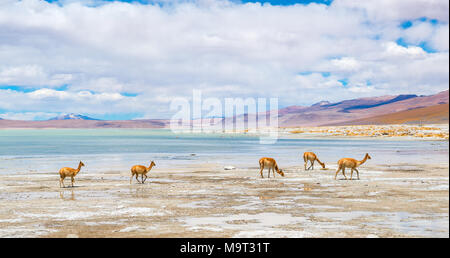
(46, 150)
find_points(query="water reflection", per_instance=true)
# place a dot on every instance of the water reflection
(138, 191)
(66, 196)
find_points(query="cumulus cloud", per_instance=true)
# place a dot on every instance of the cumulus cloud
(395, 50)
(27, 115)
(116, 57)
(31, 75)
(398, 10)
(440, 40)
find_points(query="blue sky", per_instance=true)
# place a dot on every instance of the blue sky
(114, 61)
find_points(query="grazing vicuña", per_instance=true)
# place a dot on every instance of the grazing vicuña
(311, 156)
(270, 164)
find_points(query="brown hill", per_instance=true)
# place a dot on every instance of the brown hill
(436, 114)
(350, 111)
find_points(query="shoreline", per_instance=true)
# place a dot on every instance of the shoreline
(432, 132)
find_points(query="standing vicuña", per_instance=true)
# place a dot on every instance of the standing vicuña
(65, 172)
(311, 156)
(270, 164)
(141, 170)
(350, 163)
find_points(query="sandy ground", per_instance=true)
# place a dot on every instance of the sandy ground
(205, 200)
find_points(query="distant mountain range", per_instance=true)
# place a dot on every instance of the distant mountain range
(72, 116)
(364, 111)
(392, 109)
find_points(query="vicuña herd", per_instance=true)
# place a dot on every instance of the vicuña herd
(265, 162)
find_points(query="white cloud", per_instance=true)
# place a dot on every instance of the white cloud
(225, 49)
(346, 64)
(27, 116)
(440, 40)
(361, 89)
(316, 81)
(398, 10)
(50, 94)
(31, 75)
(395, 50)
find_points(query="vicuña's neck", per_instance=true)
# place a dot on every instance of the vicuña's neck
(79, 167)
(319, 161)
(150, 167)
(364, 160)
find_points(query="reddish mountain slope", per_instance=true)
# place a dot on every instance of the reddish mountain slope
(350, 111)
(436, 114)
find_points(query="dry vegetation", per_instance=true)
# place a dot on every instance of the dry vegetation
(429, 132)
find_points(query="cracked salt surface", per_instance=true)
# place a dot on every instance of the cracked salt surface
(130, 229)
(416, 224)
(25, 231)
(275, 234)
(359, 200)
(74, 215)
(438, 187)
(343, 216)
(91, 223)
(196, 204)
(262, 222)
(404, 222)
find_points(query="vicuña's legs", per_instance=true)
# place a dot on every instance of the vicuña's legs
(306, 162)
(261, 171)
(273, 172)
(72, 179)
(343, 172)
(145, 178)
(268, 174)
(131, 178)
(61, 180)
(137, 178)
(357, 172)
(313, 164)
(310, 165)
(337, 172)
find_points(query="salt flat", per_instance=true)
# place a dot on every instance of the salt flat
(204, 200)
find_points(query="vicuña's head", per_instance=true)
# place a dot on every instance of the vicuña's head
(280, 172)
(323, 165)
(367, 154)
(81, 163)
(152, 163)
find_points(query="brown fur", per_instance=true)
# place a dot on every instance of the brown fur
(350, 163)
(141, 170)
(311, 156)
(66, 172)
(270, 164)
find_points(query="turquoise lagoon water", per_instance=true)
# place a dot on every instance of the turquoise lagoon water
(46, 150)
